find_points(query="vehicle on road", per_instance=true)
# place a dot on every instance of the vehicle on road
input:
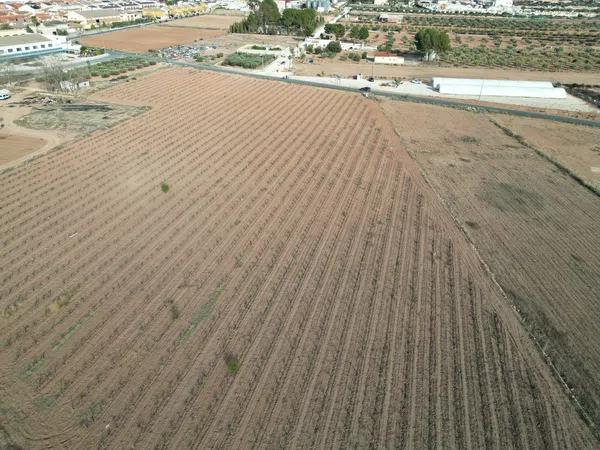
(4, 94)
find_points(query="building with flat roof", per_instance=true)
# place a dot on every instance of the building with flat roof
(30, 44)
(97, 17)
(387, 58)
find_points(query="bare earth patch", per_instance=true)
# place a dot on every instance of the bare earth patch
(575, 147)
(151, 37)
(13, 147)
(77, 117)
(209, 21)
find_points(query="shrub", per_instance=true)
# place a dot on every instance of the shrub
(334, 47)
(174, 312)
(232, 363)
(247, 61)
(164, 187)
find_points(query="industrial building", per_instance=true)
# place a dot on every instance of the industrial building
(498, 88)
(31, 44)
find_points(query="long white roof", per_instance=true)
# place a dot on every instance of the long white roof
(29, 38)
(479, 82)
(502, 91)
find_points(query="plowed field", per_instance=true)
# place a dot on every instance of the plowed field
(535, 226)
(298, 285)
(152, 37)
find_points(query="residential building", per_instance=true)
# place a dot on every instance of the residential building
(387, 58)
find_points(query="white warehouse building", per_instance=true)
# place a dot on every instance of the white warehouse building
(31, 44)
(498, 88)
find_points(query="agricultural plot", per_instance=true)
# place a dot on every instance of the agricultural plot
(534, 225)
(147, 38)
(254, 264)
(576, 148)
(13, 147)
(550, 44)
(209, 21)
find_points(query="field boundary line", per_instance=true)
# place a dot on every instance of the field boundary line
(546, 358)
(563, 168)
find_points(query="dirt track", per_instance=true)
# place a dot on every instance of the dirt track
(534, 225)
(349, 68)
(298, 235)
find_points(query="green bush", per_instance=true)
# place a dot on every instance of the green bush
(247, 61)
(232, 362)
(334, 47)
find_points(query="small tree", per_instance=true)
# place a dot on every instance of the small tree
(363, 33)
(334, 47)
(432, 42)
(335, 28)
(54, 73)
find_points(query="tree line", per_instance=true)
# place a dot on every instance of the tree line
(265, 18)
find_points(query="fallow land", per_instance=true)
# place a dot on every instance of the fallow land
(151, 37)
(254, 264)
(533, 224)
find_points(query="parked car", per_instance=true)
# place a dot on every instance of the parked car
(4, 94)
(416, 81)
(365, 89)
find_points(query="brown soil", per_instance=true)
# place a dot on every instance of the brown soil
(152, 37)
(17, 142)
(299, 285)
(534, 225)
(210, 21)
(13, 146)
(575, 147)
(349, 68)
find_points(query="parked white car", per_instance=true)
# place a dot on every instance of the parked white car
(4, 94)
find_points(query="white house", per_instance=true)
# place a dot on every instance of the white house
(322, 43)
(31, 44)
(387, 58)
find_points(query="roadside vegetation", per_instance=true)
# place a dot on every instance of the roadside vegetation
(119, 66)
(247, 60)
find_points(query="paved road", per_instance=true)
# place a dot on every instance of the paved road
(282, 77)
